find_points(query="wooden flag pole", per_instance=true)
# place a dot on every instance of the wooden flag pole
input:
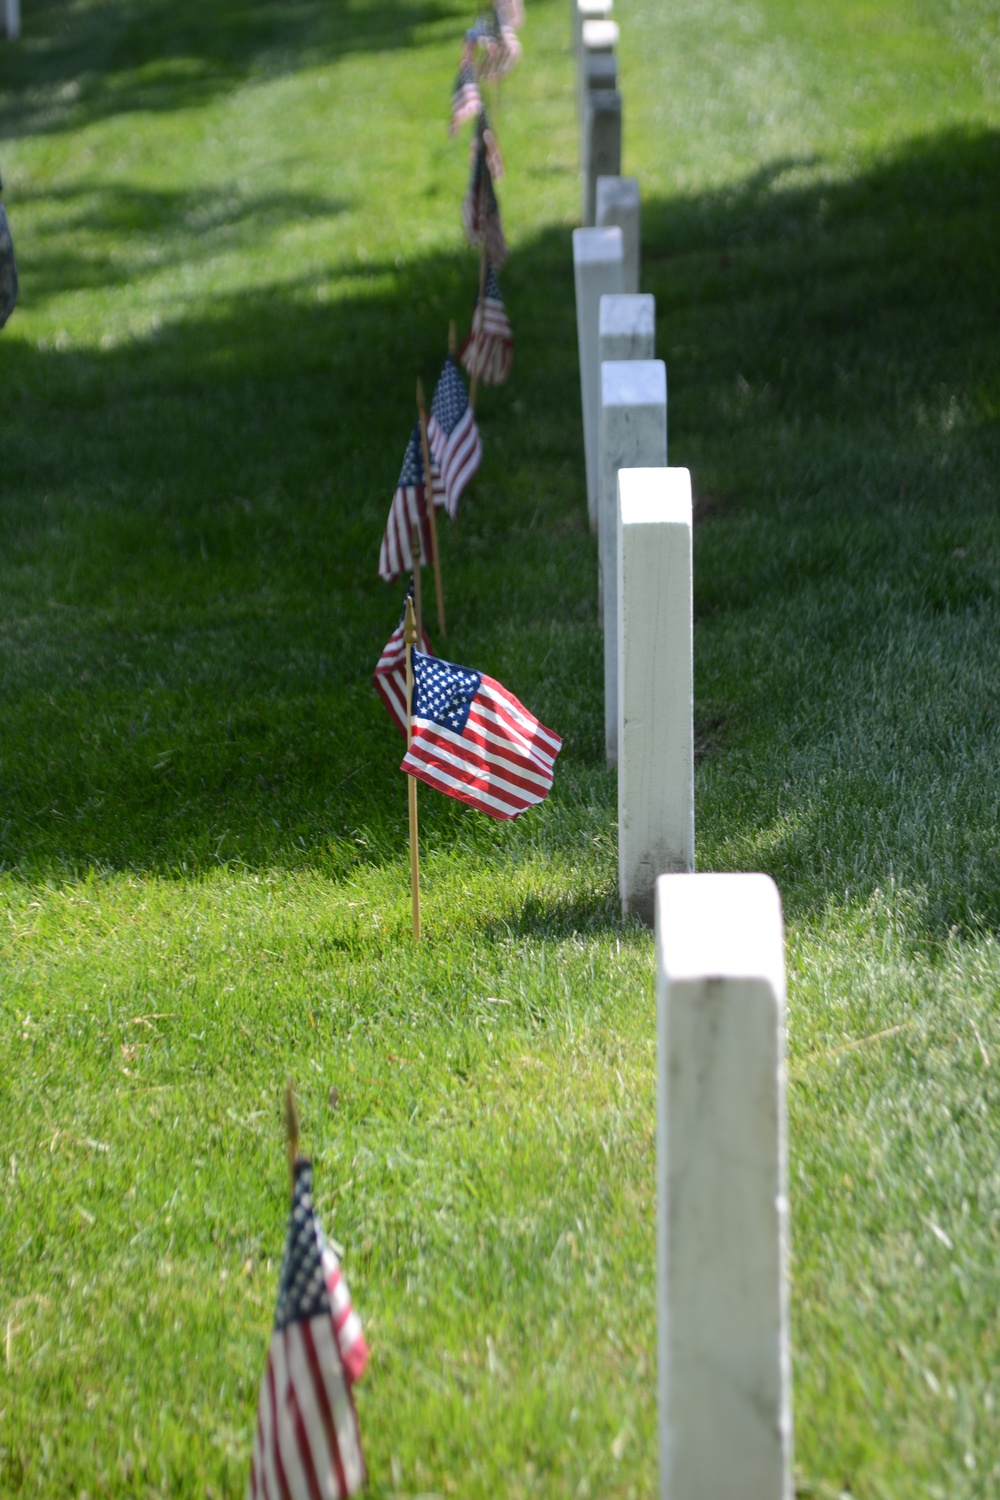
(474, 384)
(411, 639)
(452, 340)
(432, 519)
(415, 547)
(291, 1131)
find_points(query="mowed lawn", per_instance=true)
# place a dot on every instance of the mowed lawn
(239, 242)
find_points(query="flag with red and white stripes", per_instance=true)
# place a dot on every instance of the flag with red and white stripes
(307, 1445)
(480, 210)
(408, 509)
(390, 671)
(490, 344)
(466, 100)
(474, 741)
(452, 436)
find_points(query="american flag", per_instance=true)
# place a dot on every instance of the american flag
(466, 100)
(453, 435)
(307, 1445)
(510, 13)
(494, 352)
(408, 509)
(498, 36)
(480, 210)
(474, 741)
(390, 671)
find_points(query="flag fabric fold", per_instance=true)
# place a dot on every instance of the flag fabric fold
(307, 1445)
(452, 435)
(474, 741)
(389, 676)
(408, 509)
(466, 100)
(489, 346)
(480, 210)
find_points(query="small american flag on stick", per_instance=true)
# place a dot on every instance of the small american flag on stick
(480, 210)
(455, 444)
(489, 348)
(307, 1445)
(466, 100)
(390, 671)
(408, 509)
(474, 741)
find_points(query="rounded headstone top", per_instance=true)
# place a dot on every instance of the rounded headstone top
(600, 36)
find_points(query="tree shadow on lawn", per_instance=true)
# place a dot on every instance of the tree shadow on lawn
(76, 65)
(190, 522)
(99, 234)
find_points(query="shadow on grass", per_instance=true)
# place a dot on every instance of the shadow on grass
(154, 230)
(190, 527)
(76, 65)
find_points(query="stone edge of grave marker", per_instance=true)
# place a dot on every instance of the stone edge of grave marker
(12, 20)
(633, 435)
(600, 10)
(597, 269)
(599, 36)
(597, 39)
(627, 325)
(724, 1353)
(601, 155)
(654, 682)
(617, 201)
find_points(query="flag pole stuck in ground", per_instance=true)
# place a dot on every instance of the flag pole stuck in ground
(432, 519)
(416, 584)
(410, 638)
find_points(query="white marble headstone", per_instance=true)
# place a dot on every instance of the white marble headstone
(633, 436)
(617, 202)
(655, 682)
(597, 269)
(725, 1415)
(602, 146)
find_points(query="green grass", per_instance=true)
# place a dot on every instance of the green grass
(239, 245)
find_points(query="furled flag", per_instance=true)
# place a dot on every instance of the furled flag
(490, 344)
(497, 36)
(510, 13)
(453, 436)
(474, 741)
(307, 1443)
(466, 100)
(480, 211)
(408, 509)
(390, 671)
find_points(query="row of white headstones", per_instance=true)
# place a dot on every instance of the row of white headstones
(725, 1423)
(12, 19)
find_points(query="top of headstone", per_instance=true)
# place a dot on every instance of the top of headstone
(617, 192)
(627, 314)
(595, 10)
(601, 36)
(633, 382)
(720, 927)
(598, 245)
(651, 496)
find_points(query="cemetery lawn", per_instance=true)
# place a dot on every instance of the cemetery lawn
(238, 234)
